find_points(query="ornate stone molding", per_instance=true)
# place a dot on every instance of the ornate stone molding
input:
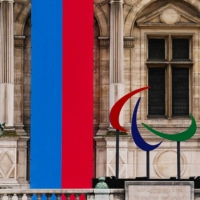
(169, 15)
(128, 42)
(104, 42)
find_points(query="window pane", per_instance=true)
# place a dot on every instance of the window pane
(180, 91)
(156, 48)
(180, 48)
(156, 91)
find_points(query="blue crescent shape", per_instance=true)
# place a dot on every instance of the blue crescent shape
(136, 135)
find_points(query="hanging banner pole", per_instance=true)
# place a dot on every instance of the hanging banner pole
(117, 154)
(178, 161)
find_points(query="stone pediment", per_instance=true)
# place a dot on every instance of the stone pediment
(169, 15)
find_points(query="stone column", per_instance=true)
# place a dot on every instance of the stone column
(7, 64)
(116, 90)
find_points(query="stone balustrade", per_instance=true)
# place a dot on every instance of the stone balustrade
(56, 194)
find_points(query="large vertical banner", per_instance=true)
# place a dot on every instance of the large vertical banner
(46, 94)
(62, 94)
(77, 135)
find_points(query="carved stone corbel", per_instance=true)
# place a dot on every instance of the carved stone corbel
(129, 42)
(104, 42)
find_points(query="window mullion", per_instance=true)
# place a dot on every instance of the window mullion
(169, 89)
(169, 80)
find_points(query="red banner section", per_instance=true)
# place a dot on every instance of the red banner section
(77, 94)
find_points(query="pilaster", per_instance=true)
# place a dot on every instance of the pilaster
(116, 89)
(7, 64)
(18, 87)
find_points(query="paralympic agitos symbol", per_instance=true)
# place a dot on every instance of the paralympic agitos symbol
(139, 141)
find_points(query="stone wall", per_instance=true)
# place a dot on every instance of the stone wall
(15, 105)
(142, 19)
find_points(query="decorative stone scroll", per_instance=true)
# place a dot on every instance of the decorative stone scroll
(159, 190)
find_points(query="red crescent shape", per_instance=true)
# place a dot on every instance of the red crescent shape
(115, 111)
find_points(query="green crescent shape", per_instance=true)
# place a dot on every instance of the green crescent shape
(185, 135)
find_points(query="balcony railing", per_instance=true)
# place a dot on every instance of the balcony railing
(83, 194)
(56, 194)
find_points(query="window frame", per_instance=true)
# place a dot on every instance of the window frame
(168, 64)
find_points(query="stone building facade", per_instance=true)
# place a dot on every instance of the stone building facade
(15, 91)
(136, 43)
(139, 43)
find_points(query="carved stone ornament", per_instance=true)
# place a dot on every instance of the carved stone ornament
(101, 184)
(165, 164)
(170, 16)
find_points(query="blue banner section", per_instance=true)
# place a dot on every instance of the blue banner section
(46, 94)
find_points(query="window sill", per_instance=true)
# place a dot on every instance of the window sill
(177, 61)
(180, 117)
(165, 117)
(156, 117)
(151, 61)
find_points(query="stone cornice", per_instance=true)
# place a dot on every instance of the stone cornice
(105, 41)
